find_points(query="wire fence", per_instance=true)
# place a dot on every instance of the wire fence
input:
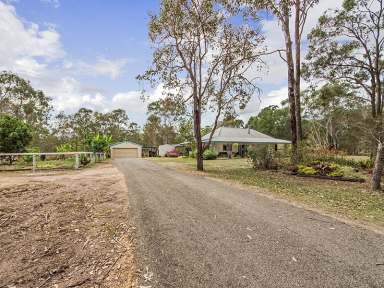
(49, 160)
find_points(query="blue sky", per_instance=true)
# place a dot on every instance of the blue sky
(90, 29)
(87, 53)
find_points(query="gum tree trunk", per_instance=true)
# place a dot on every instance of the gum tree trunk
(291, 86)
(197, 128)
(299, 131)
(378, 168)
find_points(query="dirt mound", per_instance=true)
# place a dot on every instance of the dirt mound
(68, 230)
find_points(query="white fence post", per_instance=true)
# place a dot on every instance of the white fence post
(77, 164)
(33, 163)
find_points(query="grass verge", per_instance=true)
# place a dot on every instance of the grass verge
(351, 200)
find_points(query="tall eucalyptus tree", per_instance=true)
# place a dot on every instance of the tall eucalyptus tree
(203, 57)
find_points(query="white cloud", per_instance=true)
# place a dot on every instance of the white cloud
(131, 101)
(36, 54)
(70, 96)
(104, 67)
(25, 40)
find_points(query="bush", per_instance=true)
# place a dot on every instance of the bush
(67, 147)
(306, 170)
(321, 169)
(351, 173)
(336, 173)
(15, 135)
(332, 156)
(366, 164)
(101, 143)
(263, 157)
(210, 154)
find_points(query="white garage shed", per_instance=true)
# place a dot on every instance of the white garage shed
(126, 150)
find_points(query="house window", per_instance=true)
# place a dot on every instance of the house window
(224, 147)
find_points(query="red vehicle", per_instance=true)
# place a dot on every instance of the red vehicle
(172, 153)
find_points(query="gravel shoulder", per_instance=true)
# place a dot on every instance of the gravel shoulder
(65, 229)
(195, 232)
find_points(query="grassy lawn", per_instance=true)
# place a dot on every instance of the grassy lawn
(357, 157)
(52, 164)
(351, 200)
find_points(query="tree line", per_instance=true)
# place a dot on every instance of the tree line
(207, 55)
(28, 121)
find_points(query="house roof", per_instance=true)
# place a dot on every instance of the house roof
(240, 135)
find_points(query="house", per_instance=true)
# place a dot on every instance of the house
(164, 149)
(230, 141)
(126, 150)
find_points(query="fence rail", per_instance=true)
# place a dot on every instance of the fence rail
(93, 155)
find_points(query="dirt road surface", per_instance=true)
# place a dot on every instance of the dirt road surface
(196, 232)
(65, 229)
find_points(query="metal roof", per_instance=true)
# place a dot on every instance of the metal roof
(242, 136)
(116, 145)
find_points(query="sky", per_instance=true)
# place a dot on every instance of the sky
(88, 53)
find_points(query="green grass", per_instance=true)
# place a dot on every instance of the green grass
(55, 164)
(357, 157)
(352, 200)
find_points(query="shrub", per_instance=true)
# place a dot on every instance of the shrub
(366, 164)
(332, 156)
(15, 135)
(263, 157)
(67, 147)
(100, 143)
(336, 173)
(210, 154)
(306, 170)
(322, 169)
(350, 172)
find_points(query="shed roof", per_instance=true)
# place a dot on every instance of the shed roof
(124, 144)
(240, 135)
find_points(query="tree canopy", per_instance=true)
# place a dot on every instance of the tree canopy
(15, 134)
(19, 99)
(273, 121)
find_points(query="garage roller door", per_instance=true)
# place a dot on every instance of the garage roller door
(125, 153)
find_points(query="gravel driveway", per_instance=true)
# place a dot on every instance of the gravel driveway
(197, 232)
